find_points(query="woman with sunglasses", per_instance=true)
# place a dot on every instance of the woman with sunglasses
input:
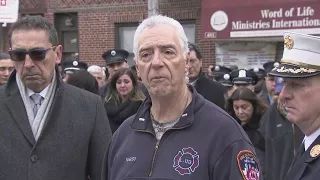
(123, 97)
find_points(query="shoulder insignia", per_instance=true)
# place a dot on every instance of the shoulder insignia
(248, 165)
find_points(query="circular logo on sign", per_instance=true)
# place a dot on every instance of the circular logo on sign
(219, 20)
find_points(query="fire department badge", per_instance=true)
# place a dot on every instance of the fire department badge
(288, 42)
(186, 161)
(315, 151)
(242, 73)
(75, 63)
(248, 165)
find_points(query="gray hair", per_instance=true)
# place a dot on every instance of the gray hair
(35, 23)
(95, 68)
(4, 56)
(161, 20)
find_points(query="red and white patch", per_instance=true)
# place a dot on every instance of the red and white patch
(248, 165)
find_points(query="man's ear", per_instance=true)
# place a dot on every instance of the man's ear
(59, 54)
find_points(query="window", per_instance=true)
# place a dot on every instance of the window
(190, 30)
(67, 28)
(125, 34)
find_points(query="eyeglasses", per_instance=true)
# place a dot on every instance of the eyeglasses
(36, 54)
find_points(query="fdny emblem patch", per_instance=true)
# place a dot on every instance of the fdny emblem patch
(248, 165)
(186, 161)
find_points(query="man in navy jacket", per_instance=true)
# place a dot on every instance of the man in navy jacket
(176, 133)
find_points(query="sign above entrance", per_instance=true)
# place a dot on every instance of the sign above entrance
(9, 11)
(260, 21)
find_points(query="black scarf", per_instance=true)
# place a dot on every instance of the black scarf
(118, 113)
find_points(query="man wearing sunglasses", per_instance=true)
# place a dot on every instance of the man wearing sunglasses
(48, 129)
(6, 67)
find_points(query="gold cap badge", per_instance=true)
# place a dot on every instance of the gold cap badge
(315, 151)
(288, 42)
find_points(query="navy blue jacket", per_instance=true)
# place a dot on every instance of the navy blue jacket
(206, 144)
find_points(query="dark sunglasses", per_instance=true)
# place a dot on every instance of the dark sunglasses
(36, 54)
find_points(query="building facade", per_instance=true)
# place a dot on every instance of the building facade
(248, 33)
(244, 32)
(89, 27)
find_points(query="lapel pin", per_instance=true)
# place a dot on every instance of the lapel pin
(315, 151)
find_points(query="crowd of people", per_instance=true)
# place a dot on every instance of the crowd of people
(163, 118)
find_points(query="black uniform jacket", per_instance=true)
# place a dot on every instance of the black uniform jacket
(306, 165)
(211, 90)
(282, 140)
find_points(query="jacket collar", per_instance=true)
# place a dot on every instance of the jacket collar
(16, 107)
(313, 152)
(12, 86)
(142, 120)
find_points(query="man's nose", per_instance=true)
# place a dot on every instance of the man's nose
(157, 60)
(284, 94)
(7, 72)
(28, 62)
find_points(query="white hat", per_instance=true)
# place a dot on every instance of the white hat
(301, 56)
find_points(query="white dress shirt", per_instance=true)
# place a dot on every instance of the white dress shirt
(42, 93)
(308, 140)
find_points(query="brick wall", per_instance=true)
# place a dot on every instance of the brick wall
(97, 19)
(97, 30)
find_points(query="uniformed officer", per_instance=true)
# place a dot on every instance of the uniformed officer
(267, 92)
(260, 84)
(115, 60)
(71, 65)
(300, 68)
(222, 76)
(219, 71)
(259, 72)
(227, 83)
(244, 78)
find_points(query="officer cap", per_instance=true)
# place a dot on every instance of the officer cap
(71, 65)
(259, 72)
(243, 77)
(300, 57)
(115, 56)
(268, 66)
(220, 71)
(225, 80)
